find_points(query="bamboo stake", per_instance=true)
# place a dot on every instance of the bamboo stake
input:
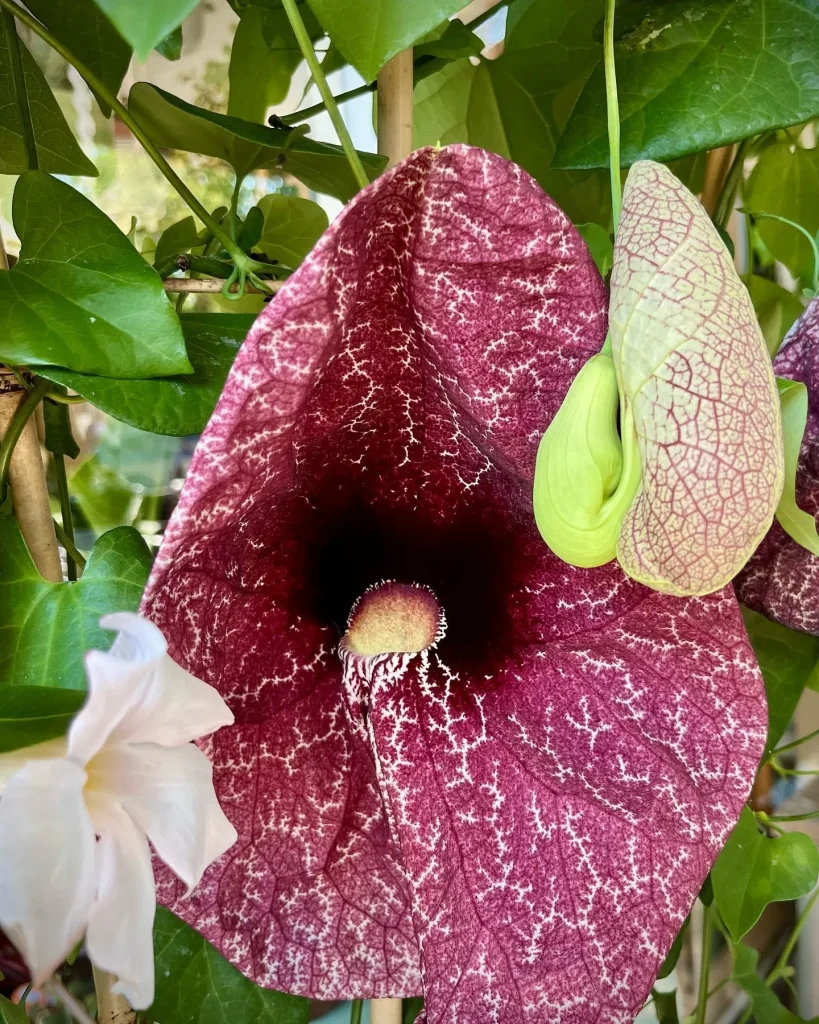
(111, 1009)
(385, 1011)
(394, 122)
(717, 165)
(395, 108)
(27, 481)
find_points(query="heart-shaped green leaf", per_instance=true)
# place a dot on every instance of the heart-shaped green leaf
(369, 32)
(785, 182)
(45, 628)
(34, 714)
(174, 124)
(11, 1013)
(178, 405)
(147, 23)
(80, 295)
(753, 871)
(746, 77)
(196, 985)
(178, 238)
(292, 226)
(57, 150)
(788, 659)
(89, 35)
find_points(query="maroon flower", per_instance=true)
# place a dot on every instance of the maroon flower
(782, 578)
(505, 784)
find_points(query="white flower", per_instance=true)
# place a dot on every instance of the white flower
(76, 814)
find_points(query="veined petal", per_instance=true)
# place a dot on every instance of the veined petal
(168, 791)
(381, 423)
(120, 930)
(782, 578)
(12, 761)
(47, 862)
(695, 373)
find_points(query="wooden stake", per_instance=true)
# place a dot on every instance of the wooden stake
(211, 286)
(27, 480)
(717, 164)
(395, 108)
(111, 1009)
(385, 1011)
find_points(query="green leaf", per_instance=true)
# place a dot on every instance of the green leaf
(410, 1009)
(11, 1013)
(765, 1003)
(451, 40)
(787, 658)
(174, 124)
(178, 405)
(251, 230)
(600, 246)
(57, 150)
(80, 295)
(196, 984)
(785, 182)
(798, 524)
(89, 35)
(665, 1006)
(34, 714)
(171, 46)
(292, 226)
(179, 237)
(753, 871)
(147, 23)
(369, 32)
(105, 497)
(517, 105)
(263, 57)
(697, 74)
(59, 438)
(673, 954)
(776, 309)
(45, 628)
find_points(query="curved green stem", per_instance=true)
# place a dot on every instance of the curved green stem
(309, 54)
(779, 967)
(728, 192)
(67, 528)
(71, 549)
(16, 61)
(355, 1011)
(319, 108)
(242, 261)
(805, 232)
(705, 963)
(795, 743)
(613, 114)
(22, 415)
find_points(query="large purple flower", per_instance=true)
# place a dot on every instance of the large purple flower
(505, 784)
(782, 578)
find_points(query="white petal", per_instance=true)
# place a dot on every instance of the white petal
(169, 792)
(120, 932)
(13, 760)
(175, 708)
(137, 693)
(117, 682)
(47, 862)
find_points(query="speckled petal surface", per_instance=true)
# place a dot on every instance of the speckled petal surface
(517, 819)
(694, 367)
(782, 579)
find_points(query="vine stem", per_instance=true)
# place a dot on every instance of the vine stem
(22, 414)
(139, 134)
(69, 545)
(613, 114)
(309, 54)
(795, 743)
(355, 1011)
(705, 963)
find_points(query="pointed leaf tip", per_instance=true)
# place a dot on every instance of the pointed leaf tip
(694, 370)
